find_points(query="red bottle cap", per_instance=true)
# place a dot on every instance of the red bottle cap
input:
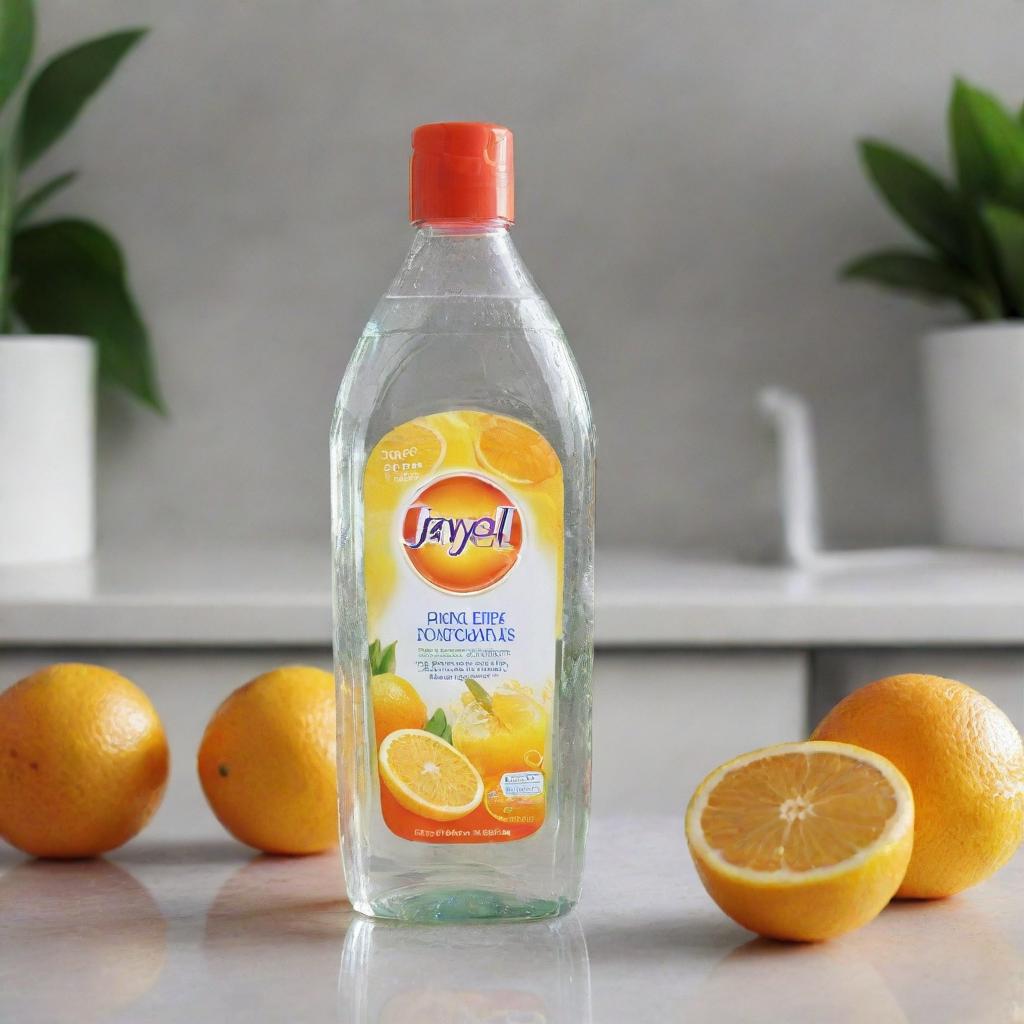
(461, 171)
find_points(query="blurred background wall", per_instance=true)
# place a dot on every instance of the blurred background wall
(687, 187)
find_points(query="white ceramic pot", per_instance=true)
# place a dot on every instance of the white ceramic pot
(974, 399)
(47, 448)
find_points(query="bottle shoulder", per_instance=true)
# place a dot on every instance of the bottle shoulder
(397, 315)
(462, 326)
(442, 265)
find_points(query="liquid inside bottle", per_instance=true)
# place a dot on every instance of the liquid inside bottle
(462, 456)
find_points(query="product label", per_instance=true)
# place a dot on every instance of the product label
(463, 557)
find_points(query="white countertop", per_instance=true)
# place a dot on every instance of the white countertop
(200, 930)
(279, 595)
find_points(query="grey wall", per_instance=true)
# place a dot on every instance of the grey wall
(687, 185)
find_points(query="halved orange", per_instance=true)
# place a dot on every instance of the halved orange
(514, 451)
(428, 776)
(802, 841)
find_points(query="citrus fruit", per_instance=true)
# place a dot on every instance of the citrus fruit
(396, 705)
(965, 763)
(514, 451)
(83, 761)
(505, 732)
(428, 776)
(802, 841)
(404, 455)
(267, 762)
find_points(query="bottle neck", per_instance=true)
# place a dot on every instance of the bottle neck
(463, 259)
(462, 228)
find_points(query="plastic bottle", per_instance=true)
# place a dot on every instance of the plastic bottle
(463, 532)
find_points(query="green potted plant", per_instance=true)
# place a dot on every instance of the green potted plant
(970, 253)
(67, 314)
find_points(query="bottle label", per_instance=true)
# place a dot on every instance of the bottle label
(463, 560)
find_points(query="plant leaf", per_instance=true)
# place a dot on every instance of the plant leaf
(65, 84)
(28, 205)
(480, 695)
(17, 37)
(981, 260)
(1006, 228)
(69, 278)
(437, 723)
(988, 145)
(916, 194)
(374, 657)
(386, 658)
(928, 277)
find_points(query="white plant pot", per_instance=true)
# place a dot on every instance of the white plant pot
(974, 399)
(47, 448)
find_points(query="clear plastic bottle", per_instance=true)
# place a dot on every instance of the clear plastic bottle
(462, 456)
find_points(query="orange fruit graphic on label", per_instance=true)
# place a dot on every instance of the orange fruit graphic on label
(83, 761)
(396, 705)
(514, 451)
(428, 776)
(965, 763)
(462, 534)
(505, 731)
(802, 841)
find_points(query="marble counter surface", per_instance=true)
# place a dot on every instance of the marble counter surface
(197, 929)
(278, 595)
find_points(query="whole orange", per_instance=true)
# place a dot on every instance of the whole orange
(83, 761)
(396, 705)
(964, 761)
(267, 762)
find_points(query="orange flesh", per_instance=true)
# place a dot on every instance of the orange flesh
(518, 453)
(432, 770)
(797, 812)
